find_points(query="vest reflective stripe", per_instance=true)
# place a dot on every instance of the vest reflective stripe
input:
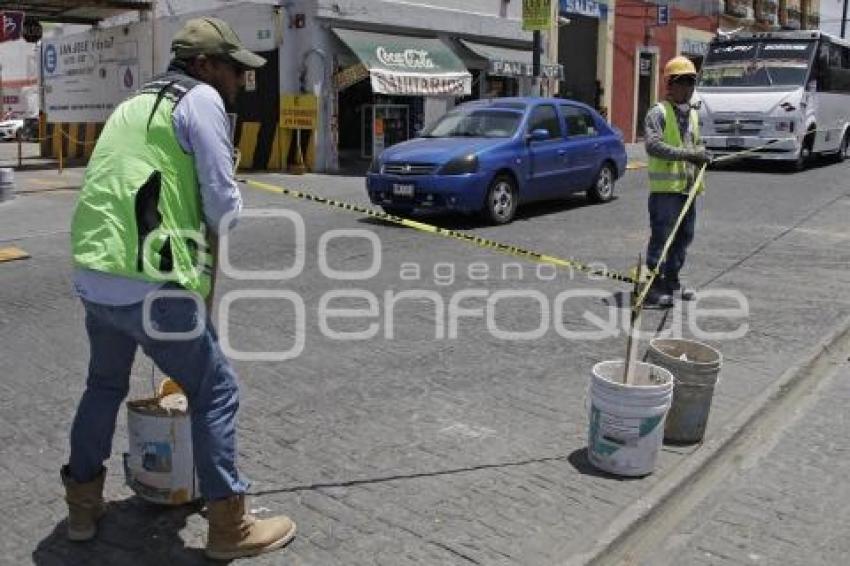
(666, 176)
(139, 214)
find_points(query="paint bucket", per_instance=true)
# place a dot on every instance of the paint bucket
(7, 184)
(160, 466)
(695, 367)
(627, 421)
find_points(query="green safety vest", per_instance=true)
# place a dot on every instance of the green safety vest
(667, 176)
(139, 213)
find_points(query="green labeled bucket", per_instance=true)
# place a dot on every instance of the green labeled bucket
(626, 426)
(695, 367)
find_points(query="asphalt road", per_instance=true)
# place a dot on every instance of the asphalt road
(429, 442)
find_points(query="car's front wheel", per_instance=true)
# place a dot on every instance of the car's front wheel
(602, 189)
(501, 202)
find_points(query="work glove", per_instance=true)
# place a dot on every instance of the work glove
(699, 156)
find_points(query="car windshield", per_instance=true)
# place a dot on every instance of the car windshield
(475, 123)
(757, 63)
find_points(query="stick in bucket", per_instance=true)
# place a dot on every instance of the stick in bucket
(631, 343)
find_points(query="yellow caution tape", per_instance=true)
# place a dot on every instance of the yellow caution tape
(12, 253)
(508, 249)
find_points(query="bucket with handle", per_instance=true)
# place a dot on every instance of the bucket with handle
(627, 421)
(159, 466)
(695, 367)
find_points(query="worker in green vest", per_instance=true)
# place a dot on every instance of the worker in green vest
(672, 141)
(158, 190)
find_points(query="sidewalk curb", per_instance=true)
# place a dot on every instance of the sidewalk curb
(691, 467)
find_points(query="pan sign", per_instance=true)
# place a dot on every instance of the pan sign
(11, 25)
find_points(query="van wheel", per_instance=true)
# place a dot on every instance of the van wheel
(500, 204)
(843, 148)
(602, 189)
(805, 155)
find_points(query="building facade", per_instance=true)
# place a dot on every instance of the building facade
(19, 78)
(344, 79)
(647, 34)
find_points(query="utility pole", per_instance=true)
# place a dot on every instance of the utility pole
(537, 44)
(844, 20)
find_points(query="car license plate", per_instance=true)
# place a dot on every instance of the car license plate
(734, 142)
(403, 189)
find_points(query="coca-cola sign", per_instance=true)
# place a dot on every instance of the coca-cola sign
(409, 58)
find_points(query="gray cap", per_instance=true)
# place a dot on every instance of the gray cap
(212, 36)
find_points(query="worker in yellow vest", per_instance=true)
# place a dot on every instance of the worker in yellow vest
(672, 141)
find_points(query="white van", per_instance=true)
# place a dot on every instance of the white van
(790, 90)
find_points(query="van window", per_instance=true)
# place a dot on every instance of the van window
(833, 68)
(544, 117)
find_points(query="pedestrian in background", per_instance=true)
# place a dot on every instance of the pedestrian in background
(672, 141)
(157, 187)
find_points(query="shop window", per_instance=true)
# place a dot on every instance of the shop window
(580, 122)
(544, 118)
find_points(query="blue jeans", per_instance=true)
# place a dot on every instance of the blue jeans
(198, 365)
(664, 210)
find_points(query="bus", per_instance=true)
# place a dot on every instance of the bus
(784, 95)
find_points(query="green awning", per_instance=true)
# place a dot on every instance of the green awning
(405, 65)
(508, 62)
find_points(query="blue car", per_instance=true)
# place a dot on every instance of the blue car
(488, 156)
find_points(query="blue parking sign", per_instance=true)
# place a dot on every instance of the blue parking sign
(51, 59)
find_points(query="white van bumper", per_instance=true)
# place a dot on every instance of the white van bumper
(766, 148)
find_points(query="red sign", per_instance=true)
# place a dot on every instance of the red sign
(11, 25)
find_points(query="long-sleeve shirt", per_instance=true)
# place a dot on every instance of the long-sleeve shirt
(654, 125)
(202, 128)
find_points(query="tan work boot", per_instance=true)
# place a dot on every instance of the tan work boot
(85, 505)
(233, 533)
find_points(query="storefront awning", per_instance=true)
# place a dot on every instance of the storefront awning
(506, 62)
(413, 66)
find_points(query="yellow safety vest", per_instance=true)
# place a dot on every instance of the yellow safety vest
(666, 176)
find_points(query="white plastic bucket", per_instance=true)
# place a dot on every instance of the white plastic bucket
(159, 466)
(626, 422)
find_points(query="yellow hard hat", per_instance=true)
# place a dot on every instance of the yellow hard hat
(679, 66)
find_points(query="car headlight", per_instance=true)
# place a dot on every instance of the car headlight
(375, 166)
(461, 165)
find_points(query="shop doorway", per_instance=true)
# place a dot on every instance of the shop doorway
(370, 122)
(258, 111)
(577, 52)
(647, 64)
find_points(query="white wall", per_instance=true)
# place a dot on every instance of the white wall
(92, 88)
(457, 18)
(18, 66)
